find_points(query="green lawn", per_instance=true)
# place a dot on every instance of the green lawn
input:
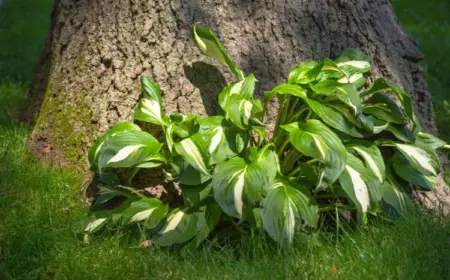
(42, 214)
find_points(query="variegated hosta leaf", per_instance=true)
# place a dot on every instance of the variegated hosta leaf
(150, 210)
(135, 209)
(428, 141)
(419, 159)
(353, 61)
(283, 206)
(381, 106)
(331, 70)
(244, 89)
(180, 127)
(106, 193)
(179, 227)
(346, 92)
(194, 195)
(371, 155)
(127, 149)
(373, 183)
(395, 196)
(314, 139)
(96, 225)
(194, 151)
(116, 129)
(237, 184)
(223, 140)
(405, 170)
(243, 113)
(355, 187)
(381, 85)
(305, 73)
(212, 214)
(150, 108)
(372, 124)
(208, 42)
(357, 80)
(329, 115)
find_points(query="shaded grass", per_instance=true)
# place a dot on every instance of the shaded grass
(42, 214)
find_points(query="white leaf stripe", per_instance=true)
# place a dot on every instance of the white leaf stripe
(172, 222)
(319, 144)
(123, 153)
(151, 108)
(140, 216)
(419, 156)
(371, 162)
(96, 224)
(193, 151)
(360, 188)
(216, 140)
(238, 192)
(355, 63)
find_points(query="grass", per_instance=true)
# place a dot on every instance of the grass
(42, 214)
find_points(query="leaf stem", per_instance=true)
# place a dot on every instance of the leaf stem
(298, 114)
(283, 146)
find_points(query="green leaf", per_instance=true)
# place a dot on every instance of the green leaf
(329, 115)
(194, 195)
(237, 184)
(106, 193)
(403, 168)
(244, 89)
(116, 129)
(180, 226)
(283, 205)
(353, 61)
(374, 186)
(381, 85)
(212, 214)
(348, 94)
(150, 108)
(395, 196)
(305, 73)
(127, 149)
(384, 108)
(419, 159)
(325, 87)
(224, 141)
(96, 225)
(428, 141)
(314, 139)
(401, 132)
(331, 70)
(371, 155)
(193, 150)
(355, 187)
(208, 42)
(188, 175)
(147, 209)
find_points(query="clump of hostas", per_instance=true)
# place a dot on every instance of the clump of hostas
(337, 144)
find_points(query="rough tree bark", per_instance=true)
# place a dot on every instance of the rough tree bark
(87, 79)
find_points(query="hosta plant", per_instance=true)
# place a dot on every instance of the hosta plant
(338, 143)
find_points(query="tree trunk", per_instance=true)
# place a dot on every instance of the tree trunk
(87, 79)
